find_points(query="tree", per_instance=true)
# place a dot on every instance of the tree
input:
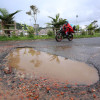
(56, 22)
(18, 26)
(77, 28)
(97, 30)
(91, 27)
(33, 12)
(30, 29)
(7, 18)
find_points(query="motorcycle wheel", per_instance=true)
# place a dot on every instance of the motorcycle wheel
(58, 37)
(70, 37)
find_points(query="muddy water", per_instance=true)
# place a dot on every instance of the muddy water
(43, 64)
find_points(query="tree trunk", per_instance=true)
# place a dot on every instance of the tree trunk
(8, 31)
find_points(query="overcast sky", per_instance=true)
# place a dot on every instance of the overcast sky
(87, 10)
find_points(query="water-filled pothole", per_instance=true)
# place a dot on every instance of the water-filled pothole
(43, 64)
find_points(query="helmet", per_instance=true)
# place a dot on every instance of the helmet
(72, 25)
(66, 22)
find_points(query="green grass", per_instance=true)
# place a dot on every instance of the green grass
(4, 38)
(87, 36)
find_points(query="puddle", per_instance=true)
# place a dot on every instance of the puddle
(55, 67)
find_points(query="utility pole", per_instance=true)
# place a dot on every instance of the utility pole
(76, 22)
(76, 19)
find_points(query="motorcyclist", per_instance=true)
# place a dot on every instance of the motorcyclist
(67, 28)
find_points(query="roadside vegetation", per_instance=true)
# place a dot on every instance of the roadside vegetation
(35, 37)
(26, 32)
(87, 36)
(5, 38)
(7, 20)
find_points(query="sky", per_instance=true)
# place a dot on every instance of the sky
(87, 10)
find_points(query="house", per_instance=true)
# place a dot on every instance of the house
(44, 31)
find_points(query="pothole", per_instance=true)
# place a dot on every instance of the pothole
(43, 64)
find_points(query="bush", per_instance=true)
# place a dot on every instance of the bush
(91, 32)
(31, 35)
(83, 32)
(13, 33)
(21, 34)
(50, 33)
(30, 30)
(2, 37)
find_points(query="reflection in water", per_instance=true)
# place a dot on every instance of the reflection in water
(54, 57)
(36, 62)
(16, 59)
(25, 51)
(33, 52)
(52, 66)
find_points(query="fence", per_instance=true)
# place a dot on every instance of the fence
(4, 30)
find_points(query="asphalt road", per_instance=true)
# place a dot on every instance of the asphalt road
(84, 50)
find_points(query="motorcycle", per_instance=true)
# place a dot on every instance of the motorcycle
(61, 35)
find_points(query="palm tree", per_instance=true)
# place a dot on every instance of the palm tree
(91, 27)
(7, 18)
(56, 22)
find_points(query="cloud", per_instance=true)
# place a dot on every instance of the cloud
(87, 10)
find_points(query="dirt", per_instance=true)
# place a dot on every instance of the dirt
(20, 85)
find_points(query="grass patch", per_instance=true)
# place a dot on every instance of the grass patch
(87, 36)
(5, 38)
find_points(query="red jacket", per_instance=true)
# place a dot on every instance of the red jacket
(68, 28)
